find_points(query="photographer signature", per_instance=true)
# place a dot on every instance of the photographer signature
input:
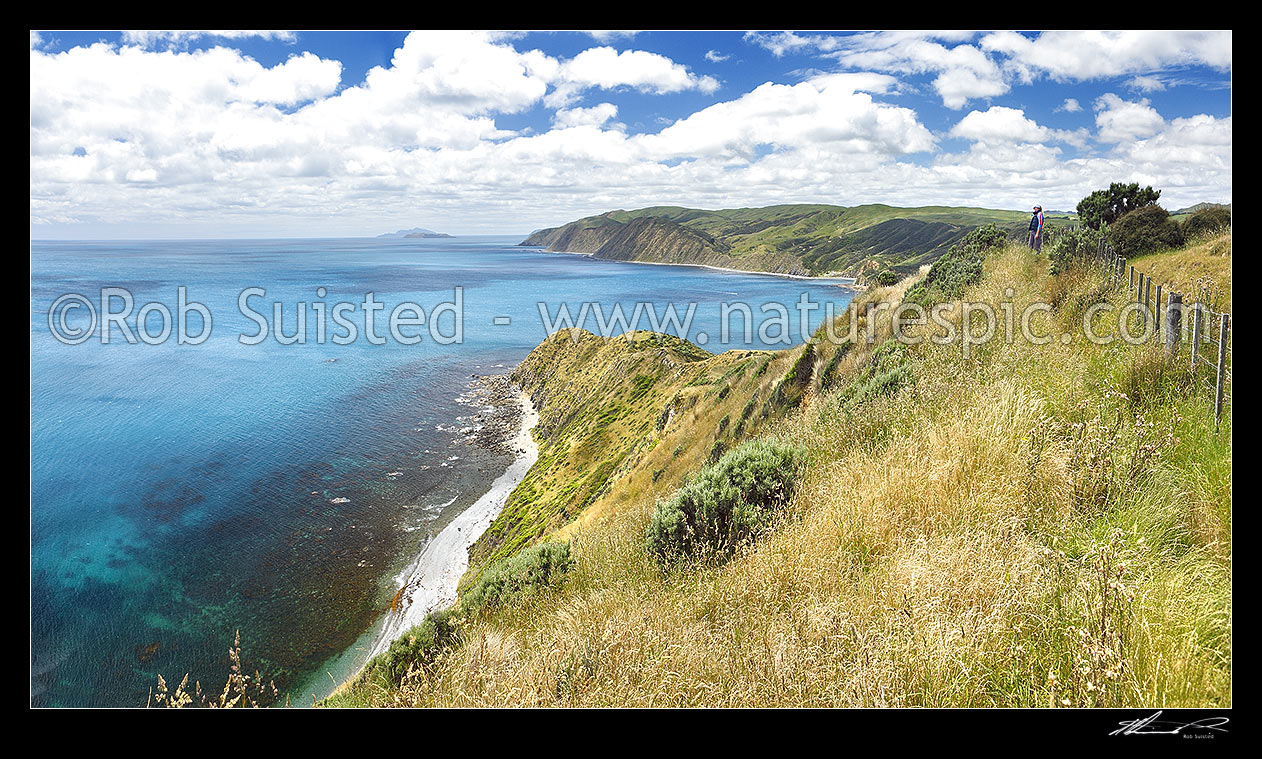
(1152, 726)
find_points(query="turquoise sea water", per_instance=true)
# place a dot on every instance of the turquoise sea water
(182, 492)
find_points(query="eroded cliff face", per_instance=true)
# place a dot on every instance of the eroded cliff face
(657, 240)
(807, 240)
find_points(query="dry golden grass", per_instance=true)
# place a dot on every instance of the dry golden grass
(1203, 267)
(1015, 528)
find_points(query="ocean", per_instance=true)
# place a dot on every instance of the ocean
(183, 492)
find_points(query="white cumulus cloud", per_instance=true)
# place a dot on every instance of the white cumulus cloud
(1145, 84)
(1000, 124)
(834, 109)
(963, 71)
(606, 68)
(596, 115)
(1119, 120)
(1080, 55)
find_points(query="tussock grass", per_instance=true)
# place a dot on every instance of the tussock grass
(1027, 526)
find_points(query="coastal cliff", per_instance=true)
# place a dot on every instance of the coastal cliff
(658, 240)
(803, 240)
(964, 530)
(641, 404)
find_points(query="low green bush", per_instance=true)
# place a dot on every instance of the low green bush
(886, 278)
(726, 503)
(1071, 245)
(1145, 230)
(524, 572)
(418, 647)
(716, 451)
(1206, 221)
(791, 388)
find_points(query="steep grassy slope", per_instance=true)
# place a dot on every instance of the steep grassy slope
(795, 239)
(1028, 525)
(641, 402)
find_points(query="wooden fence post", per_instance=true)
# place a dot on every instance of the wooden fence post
(1222, 371)
(1147, 299)
(1138, 297)
(1196, 332)
(1157, 316)
(1174, 323)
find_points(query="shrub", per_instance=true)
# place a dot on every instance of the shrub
(1143, 231)
(800, 373)
(1206, 221)
(641, 384)
(828, 376)
(525, 571)
(1071, 245)
(886, 278)
(418, 647)
(987, 237)
(726, 503)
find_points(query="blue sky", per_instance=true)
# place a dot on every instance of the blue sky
(179, 134)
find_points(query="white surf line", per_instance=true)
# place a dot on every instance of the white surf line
(429, 583)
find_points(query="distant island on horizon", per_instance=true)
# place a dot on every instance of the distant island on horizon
(415, 233)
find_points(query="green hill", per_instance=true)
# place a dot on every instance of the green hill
(1199, 207)
(810, 240)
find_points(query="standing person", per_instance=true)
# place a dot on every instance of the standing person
(1036, 229)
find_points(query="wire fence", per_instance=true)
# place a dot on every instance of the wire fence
(1179, 320)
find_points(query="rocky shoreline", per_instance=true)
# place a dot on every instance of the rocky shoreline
(429, 583)
(497, 424)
